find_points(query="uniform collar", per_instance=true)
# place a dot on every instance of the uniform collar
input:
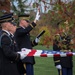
(22, 27)
(11, 34)
(6, 32)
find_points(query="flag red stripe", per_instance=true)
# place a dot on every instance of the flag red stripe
(70, 54)
(56, 55)
(32, 53)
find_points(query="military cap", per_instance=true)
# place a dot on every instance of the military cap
(25, 17)
(7, 18)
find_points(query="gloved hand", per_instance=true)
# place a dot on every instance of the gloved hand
(37, 40)
(58, 67)
(37, 16)
(23, 49)
(22, 55)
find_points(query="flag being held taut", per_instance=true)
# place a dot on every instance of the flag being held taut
(45, 53)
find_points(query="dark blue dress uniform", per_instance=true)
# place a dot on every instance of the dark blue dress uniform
(66, 62)
(56, 47)
(20, 66)
(22, 37)
(8, 56)
(10, 63)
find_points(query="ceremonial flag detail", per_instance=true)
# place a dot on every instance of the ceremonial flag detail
(31, 53)
(45, 53)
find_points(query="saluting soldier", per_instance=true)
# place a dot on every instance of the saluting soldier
(8, 54)
(66, 63)
(22, 36)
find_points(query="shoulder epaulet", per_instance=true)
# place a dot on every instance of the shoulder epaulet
(3, 34)
(18, 27)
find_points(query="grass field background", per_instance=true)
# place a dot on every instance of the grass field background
(45, 65)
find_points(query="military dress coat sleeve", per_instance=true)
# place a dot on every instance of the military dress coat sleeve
(21, 31)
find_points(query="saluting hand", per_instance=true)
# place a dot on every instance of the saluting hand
(37, 16)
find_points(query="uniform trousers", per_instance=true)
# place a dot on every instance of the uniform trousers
(29, 69)
(65, 71)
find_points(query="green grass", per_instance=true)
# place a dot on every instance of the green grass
(45, 65)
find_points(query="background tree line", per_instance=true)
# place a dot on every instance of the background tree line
(53, 15)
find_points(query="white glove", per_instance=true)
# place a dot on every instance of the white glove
(37, 16)
(22, 55)
(37, 40)
(58, 67)
(23, 49)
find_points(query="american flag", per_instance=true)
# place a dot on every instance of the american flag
(45, 53)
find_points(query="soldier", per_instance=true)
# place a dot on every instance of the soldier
(22, 37)
(64, 64)
(56, 47)
(8, 55)
(19, 63)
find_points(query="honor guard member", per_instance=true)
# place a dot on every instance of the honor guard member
(65, 64)
(20, 66)
(8, 56)
(22, 36)
(56, 47)
(66, 46)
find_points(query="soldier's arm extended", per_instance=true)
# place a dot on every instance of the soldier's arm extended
(37, 39)
(21, 31)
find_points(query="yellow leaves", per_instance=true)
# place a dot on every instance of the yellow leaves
(46, 38)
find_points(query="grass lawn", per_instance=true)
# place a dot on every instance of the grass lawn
(45, 65)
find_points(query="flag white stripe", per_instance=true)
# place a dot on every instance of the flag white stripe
(45, 53)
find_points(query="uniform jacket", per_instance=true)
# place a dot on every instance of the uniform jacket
(20, 66)
(22, 37)
(8, 56)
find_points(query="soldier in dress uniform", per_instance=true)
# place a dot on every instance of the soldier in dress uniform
(20, 66)
(56, 47)
(63, 43)
(22, 36)
(8, 54)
